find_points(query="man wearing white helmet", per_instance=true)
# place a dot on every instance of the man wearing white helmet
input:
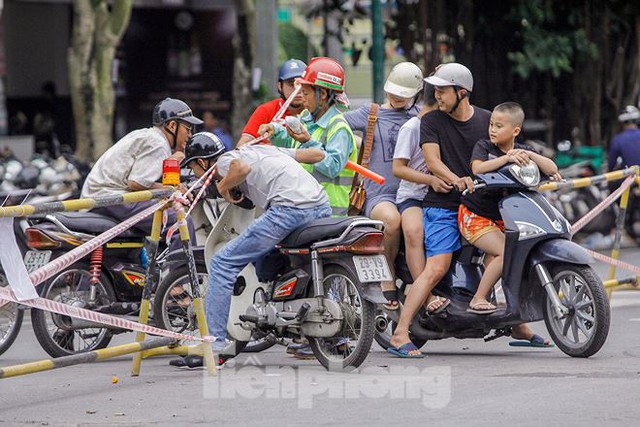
(626, 144)
(447, 138)
(402, 87)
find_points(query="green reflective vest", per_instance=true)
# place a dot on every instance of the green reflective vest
(337, 188)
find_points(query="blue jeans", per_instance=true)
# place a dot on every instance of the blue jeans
(255, 242)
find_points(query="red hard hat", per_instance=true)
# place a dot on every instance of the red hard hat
(324, 72)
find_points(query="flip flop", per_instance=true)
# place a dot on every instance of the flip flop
(391, 297)
(404, 351)
(440, 309)
(535, 341)
(474, 308)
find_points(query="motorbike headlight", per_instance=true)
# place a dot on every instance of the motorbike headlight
(528, 175)
(528, 230)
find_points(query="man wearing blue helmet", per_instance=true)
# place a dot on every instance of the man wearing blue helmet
(289, 71)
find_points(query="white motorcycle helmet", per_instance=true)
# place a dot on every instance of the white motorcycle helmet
(630, 114)
(451, 74)
(404, 81)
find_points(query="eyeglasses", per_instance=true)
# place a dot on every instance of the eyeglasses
(187, 126)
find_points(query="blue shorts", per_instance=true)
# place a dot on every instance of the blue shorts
(408, 203)
(441, 234)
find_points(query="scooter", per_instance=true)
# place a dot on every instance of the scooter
(323, 285)
(545, 276)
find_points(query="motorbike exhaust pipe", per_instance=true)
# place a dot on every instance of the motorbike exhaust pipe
(382, 323)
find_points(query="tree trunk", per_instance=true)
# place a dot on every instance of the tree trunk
(243, 44)
(96, 34)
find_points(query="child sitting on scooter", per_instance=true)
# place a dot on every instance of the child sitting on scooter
(479, 217)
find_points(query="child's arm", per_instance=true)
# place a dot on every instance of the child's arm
(403, 171)
(484, 166)
(546, 165)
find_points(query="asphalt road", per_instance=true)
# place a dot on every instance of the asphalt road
(461, 382)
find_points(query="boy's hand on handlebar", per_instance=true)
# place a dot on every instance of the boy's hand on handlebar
(555, 177)
(464, 183)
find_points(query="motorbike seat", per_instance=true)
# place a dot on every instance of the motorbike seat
(319, 229)
(94, 223)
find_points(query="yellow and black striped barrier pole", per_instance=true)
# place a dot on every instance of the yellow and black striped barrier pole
(210, 361)
(88, 203)
(151, 281)
(585, 182)
(88, 357)
(610, 284)
(615, 250)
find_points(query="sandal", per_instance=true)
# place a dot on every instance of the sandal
(404, 351)
(392, 297)
(484, 307)
(439, 309)
(535, 341)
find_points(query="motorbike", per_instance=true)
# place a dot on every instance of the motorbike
(12, 314)
(323, 283)
(111, 279)
(545, 276)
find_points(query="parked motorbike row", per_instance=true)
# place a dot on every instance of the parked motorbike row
(323, 283)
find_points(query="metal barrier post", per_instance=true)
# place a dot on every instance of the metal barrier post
(88, 357)
(207, 350)
(615, 250)
(150, 282)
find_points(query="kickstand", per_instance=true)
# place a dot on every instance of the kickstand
(498, 333)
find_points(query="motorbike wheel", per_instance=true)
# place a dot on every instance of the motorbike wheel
(172, 303)
(54, 331)
(583, 331)
(173, 310)
(350, 348)
(383, 334)
(11, 317)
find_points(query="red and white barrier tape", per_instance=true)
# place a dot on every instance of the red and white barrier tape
(106, 319)
(209, 174)
(615, 262)
(286, 104)
(601, 206)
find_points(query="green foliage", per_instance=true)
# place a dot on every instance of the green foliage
(293, 41)
(552, 38)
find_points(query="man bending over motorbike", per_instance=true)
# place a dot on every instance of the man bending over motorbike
(272, 178)
(134, 163)
(479, 217)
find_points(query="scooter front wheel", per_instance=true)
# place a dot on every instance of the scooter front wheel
(584, 329)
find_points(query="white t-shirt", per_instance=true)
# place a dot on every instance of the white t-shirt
(408, 147)
(136, 157)
(275, 178)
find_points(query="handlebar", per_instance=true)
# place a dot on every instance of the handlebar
(475, 187)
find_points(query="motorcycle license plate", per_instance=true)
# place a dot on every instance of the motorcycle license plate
(33, 260)
(372, 268)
